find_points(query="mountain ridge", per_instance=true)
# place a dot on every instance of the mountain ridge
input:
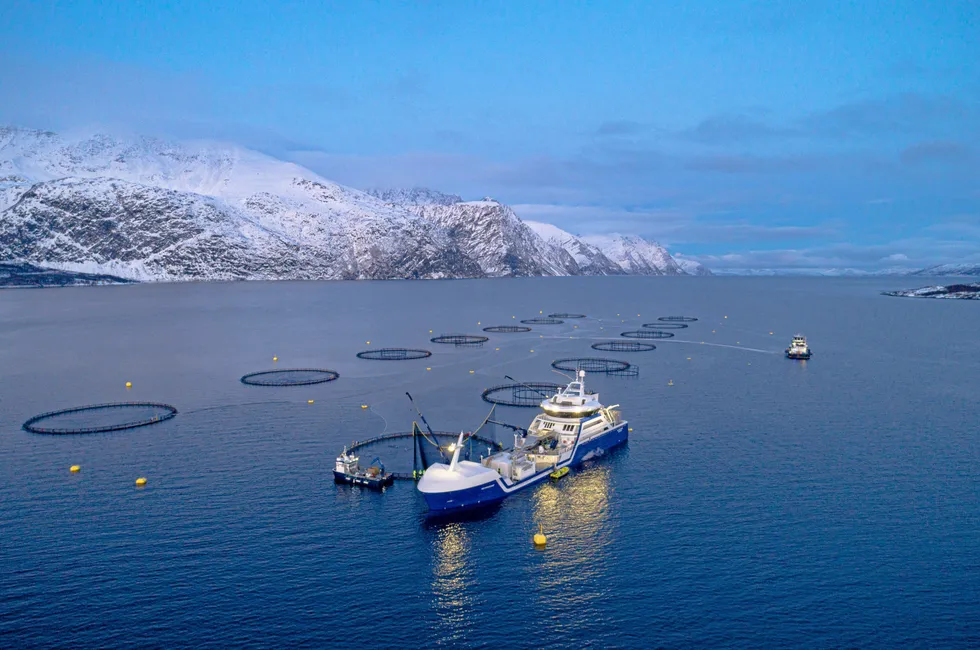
(155, 210)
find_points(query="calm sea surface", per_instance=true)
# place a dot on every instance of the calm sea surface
(760, 502)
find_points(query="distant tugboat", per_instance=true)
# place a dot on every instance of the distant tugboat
(373, 476)
(798, 349)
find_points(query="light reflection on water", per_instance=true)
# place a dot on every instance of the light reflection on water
(569, 580)
(453, 585)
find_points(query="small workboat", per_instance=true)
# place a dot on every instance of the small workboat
(798, 349)
(373, 476)
(559, 473)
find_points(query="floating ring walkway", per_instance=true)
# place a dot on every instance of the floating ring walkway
(678, 319)
(524, 395)
(393, 354)
(666, 326)
(166, 412)
(506, 329)
(647, 334)
(460, 339)
(590, 364)
(543, 321)
(290, 377)
(564, 315)
(623, 346)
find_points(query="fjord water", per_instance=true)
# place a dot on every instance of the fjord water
(759, 501)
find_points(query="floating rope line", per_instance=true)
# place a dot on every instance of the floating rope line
(647, 334)
(543, 321)
(460, 339)
(163, 412)
(290, 377)
(623, 346)
(393, 354)
(509, 329)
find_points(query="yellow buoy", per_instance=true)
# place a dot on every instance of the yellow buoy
(689, 358)
(513, 316)
(726, 316)
(477, 322)
(540, 312)
(532, 350)
(309, 401)
(539, 538)
(428, 368)
(770, 333)
(670, 382)
(430, 331)
(74, 469)
(471, 372)
(129, 384)
(369, 342)
(363, 406)
(275, 358)
(631, 429)
(497, 349)
(140, 482)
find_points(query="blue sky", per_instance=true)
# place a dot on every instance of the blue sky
(749, 134)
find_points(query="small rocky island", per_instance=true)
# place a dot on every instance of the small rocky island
(24, 276)
(970, 291)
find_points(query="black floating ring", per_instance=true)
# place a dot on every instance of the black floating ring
(648, 334)
(269, 377)
(168, 412)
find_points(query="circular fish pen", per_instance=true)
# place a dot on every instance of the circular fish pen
(647, 334)
(371, 444)
(526, 395)
(666, 326)
(86, 419)
(564, 315)
(623, 346)
(543, 321)
(677, 319)
(290, 377)
(591, 364)
(460, 339)
(506, 329)
(393, 354)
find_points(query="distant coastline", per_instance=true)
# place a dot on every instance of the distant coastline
(969, 291)
(29, 276)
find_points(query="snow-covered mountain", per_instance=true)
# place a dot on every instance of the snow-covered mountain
(498, 239)
(691, 267)
(590, 260)
(635, 255)
(949, 270)
(151, 209)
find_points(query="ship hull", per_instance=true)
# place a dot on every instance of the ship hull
(798, 355)
(363, 481)
(494, 492)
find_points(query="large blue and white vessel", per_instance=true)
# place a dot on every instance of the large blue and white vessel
(572, 428)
